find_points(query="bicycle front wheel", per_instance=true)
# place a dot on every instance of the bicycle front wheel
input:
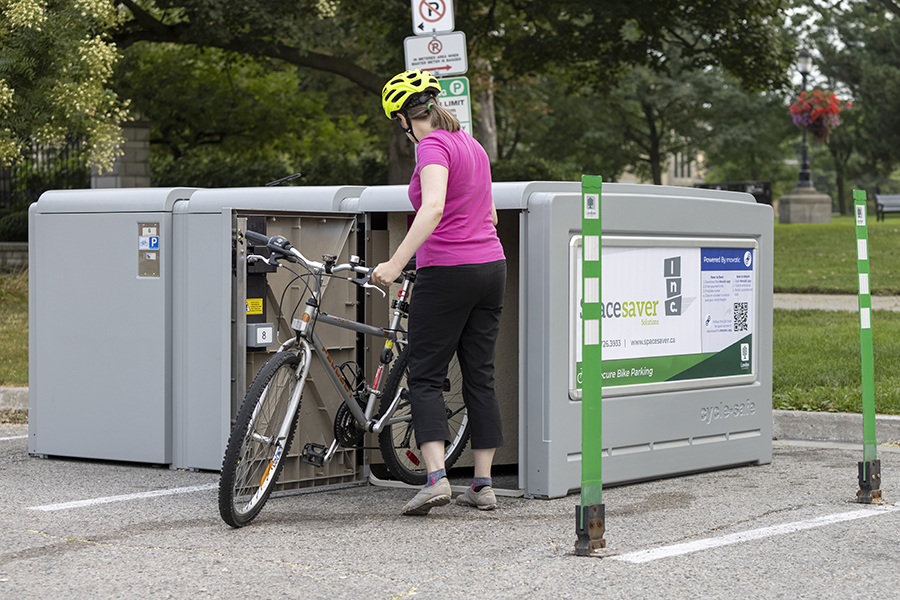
(398, 441)
(254, 455)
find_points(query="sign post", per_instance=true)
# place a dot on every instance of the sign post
(870, 466)
(590, 517)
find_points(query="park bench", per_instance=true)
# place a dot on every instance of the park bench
(886, 203)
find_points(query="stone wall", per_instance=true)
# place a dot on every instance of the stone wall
(13, 256)
(132, 169)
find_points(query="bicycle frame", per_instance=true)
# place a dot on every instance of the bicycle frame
(308, 341)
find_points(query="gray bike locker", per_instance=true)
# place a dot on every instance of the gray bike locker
(100, 313)
(652, 431)
(212, 364)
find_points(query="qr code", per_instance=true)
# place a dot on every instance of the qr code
(740, 316)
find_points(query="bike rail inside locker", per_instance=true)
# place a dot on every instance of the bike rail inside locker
(650, 429)
(100, 294)
(212, 364)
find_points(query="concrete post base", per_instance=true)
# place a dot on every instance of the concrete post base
(804, 205)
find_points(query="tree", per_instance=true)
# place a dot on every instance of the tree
(220, 119)
(751, 137)
(362, 41)
(55, 64)
(545, 133)
(599, 38)
(866, 62)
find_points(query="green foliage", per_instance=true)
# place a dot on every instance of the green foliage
(530, 168)
(552, 135)
(213, 168)
(751, 137)
(54, 69)
(585, 46)
(221, 119)
(14, 227)
(596, 39)
(856, 52)
(340, 169)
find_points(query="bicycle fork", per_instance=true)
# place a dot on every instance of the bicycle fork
(293, 406)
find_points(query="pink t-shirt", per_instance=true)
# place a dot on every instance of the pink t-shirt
(465, 234)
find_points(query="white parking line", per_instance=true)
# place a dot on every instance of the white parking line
(643, 556)
(15, 437)
(108, 499)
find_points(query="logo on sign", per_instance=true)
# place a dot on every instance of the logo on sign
(673, 286)
(148, 242)
(433, 10)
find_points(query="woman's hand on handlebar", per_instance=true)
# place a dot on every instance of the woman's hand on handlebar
(385, 273)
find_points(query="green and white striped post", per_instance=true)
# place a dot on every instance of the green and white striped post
(870, 466)
(590, 517)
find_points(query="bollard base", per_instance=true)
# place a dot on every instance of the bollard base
(869, 482)
(590, 525)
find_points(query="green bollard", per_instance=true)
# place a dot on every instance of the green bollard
(870, 467)
(590, 520)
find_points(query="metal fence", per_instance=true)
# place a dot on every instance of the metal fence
(43, 168)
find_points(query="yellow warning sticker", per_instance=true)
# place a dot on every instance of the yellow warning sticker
(254, 306)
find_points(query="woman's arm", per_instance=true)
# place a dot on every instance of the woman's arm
(434, 194)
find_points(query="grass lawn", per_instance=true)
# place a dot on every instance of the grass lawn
(821, 259)
(816, 361)
(13, 330)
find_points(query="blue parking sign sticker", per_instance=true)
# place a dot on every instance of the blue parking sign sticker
(148, 242)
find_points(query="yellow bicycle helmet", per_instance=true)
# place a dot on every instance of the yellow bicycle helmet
(407, 86)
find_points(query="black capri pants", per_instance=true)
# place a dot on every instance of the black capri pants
(456, 309)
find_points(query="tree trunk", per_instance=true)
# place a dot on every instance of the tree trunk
(839, 183)
(485, 123)
(401, 158)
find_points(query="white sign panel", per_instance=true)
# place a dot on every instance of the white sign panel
(432, 16)
(676, 313)
(442, 55)
(455, 98)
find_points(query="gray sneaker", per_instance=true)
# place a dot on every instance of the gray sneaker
(483, 500)
(429, 497)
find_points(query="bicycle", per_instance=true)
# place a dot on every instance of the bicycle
(267, 420)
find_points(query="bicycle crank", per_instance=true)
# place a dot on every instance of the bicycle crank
(346, 432)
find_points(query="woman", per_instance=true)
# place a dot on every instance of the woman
(459, 286)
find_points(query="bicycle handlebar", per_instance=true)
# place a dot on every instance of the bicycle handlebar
(283, 247)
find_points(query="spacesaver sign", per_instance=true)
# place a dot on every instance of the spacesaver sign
(675, 312)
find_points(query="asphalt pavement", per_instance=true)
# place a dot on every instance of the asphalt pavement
(789, 529)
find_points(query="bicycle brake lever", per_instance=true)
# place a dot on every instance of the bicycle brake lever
(372, 285)
(270, 260)
(363, 282)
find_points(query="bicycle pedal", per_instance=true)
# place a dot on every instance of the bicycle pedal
(313, 454)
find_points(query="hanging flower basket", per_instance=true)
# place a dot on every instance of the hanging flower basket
(819, 111)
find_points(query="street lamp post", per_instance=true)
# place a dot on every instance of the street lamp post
(804, 66)
(804, 204)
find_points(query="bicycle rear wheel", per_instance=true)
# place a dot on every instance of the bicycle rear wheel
(398, 442)
(254, 455)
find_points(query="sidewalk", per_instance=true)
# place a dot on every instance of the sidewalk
(847, 302)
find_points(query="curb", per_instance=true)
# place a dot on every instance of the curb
(13, 398)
